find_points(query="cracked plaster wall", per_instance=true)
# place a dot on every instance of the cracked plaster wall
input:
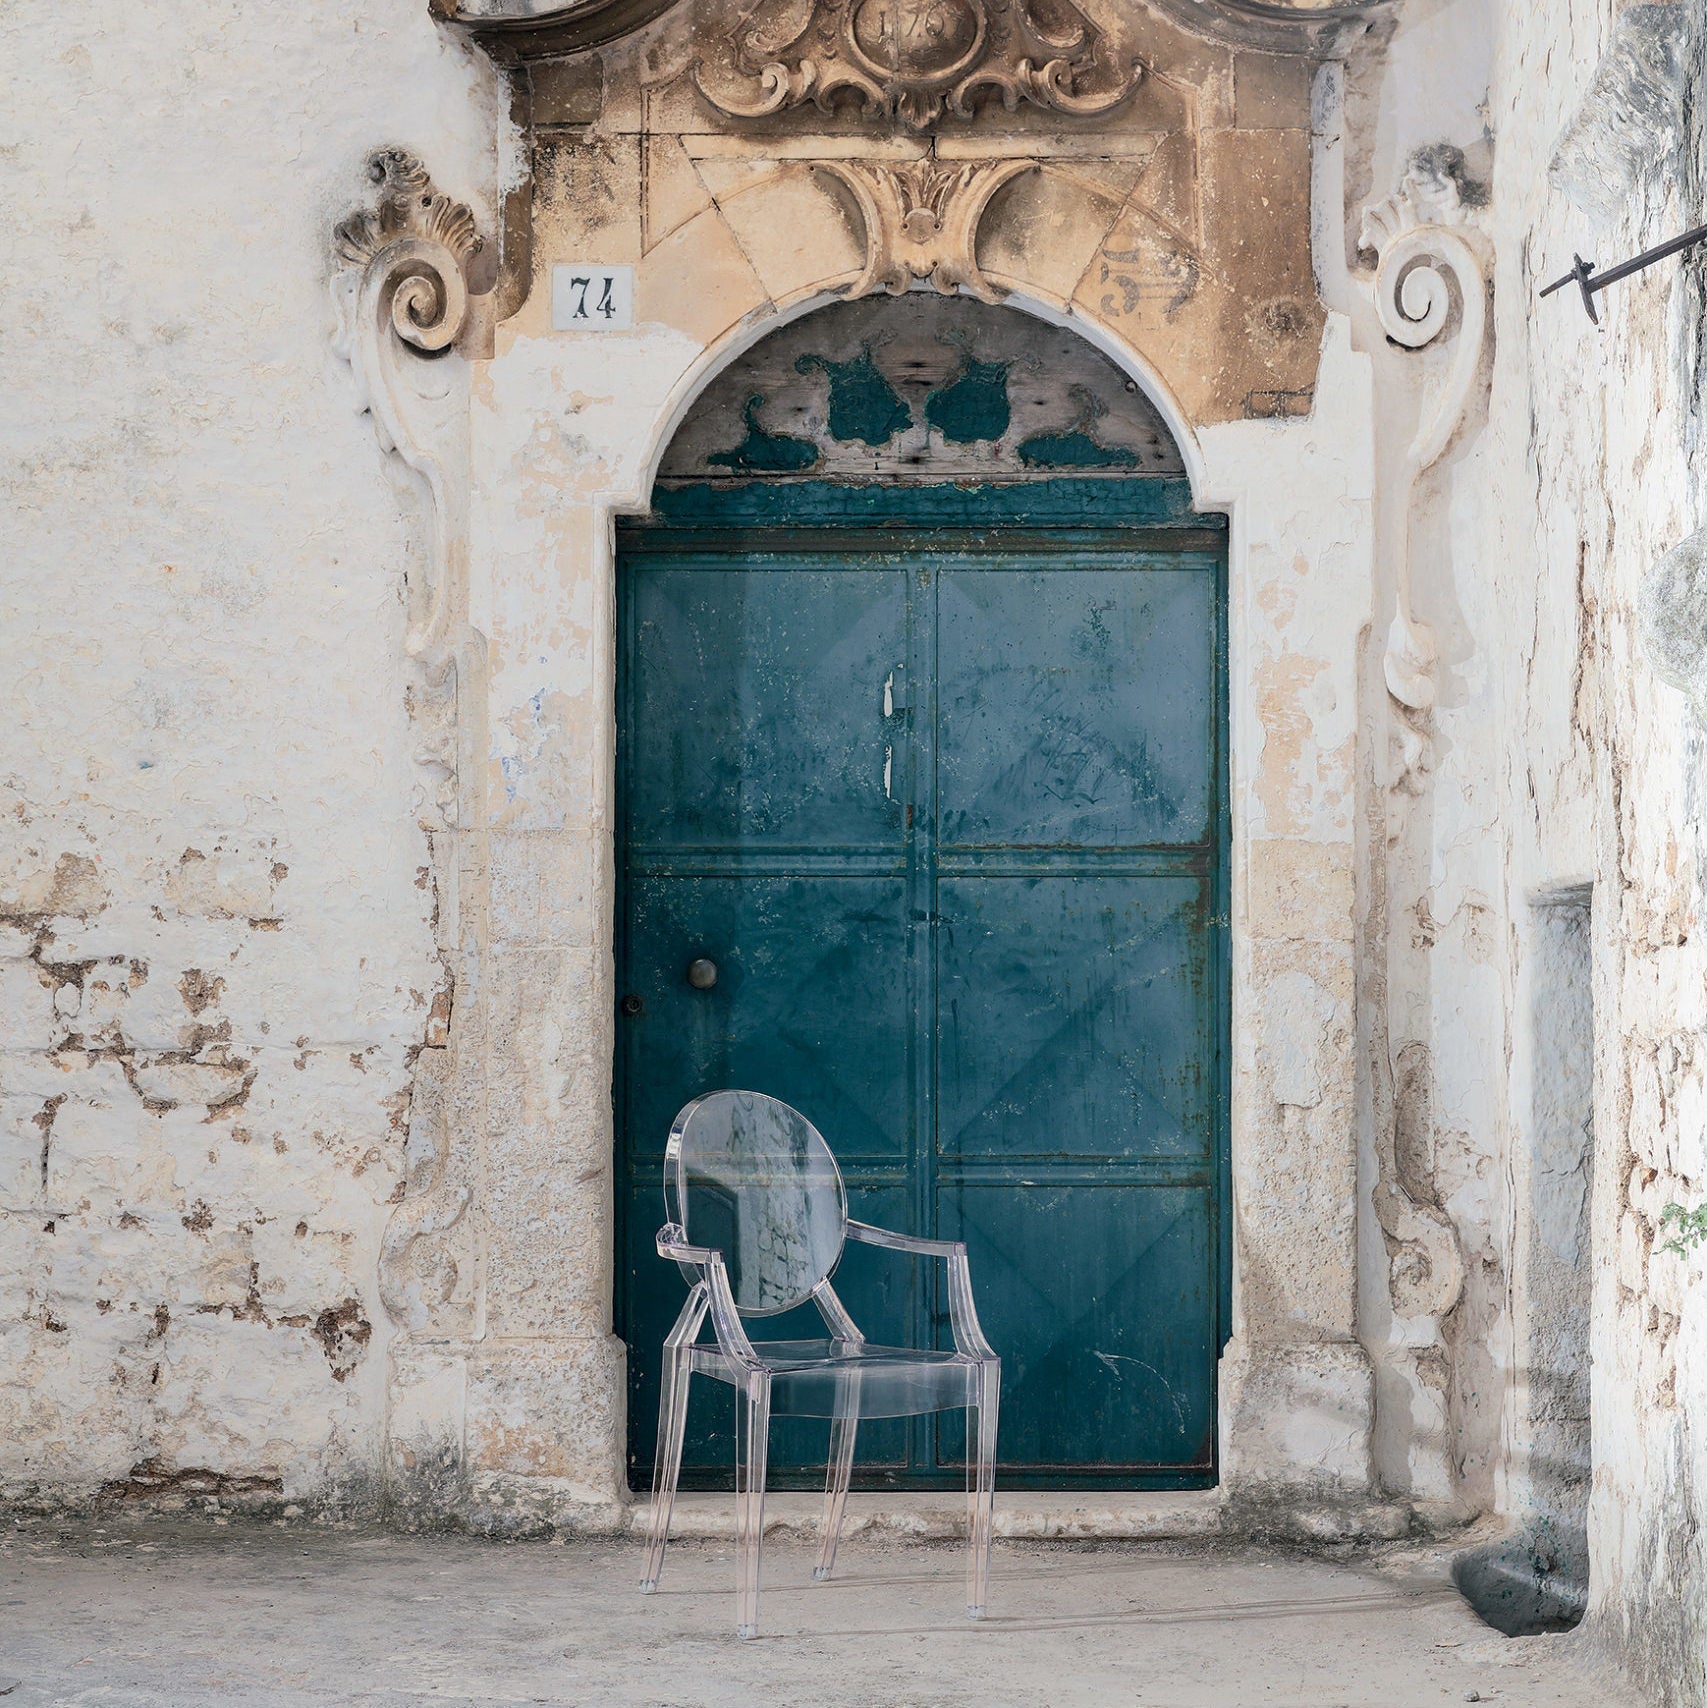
(223, 866)
(1597, 458)
(1561, 760)
(1614, 479)
(216, 910)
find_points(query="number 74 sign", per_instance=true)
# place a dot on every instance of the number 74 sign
(591, 299)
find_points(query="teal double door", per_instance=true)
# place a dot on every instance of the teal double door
(945, 812)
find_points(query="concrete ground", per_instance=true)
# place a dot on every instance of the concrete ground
(136, 1615)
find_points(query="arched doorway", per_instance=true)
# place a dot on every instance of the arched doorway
(922, 743)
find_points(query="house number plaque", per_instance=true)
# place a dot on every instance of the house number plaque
(587, 298)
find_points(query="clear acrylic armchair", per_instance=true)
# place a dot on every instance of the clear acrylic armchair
(757, 1221)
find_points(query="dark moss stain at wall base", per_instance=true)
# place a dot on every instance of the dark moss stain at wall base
(972, 406)
(863, 404)
(765, 453)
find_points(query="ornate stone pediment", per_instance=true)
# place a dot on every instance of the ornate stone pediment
(515, 30)
(917, 60)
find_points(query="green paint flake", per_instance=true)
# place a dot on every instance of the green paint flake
(1075, 449)
(1078, 447)
(973, 405)
(765, 453)
(863, 404)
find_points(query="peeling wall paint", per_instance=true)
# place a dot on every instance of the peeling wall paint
(1609, 480)
(305, 1007)
(1565, 763)
(216, 948)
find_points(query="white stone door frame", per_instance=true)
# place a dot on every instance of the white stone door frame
(508, 1394)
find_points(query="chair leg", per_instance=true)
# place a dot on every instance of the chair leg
(672, 1427)
(981, 1486)
(752, 1446)
(842, 1433)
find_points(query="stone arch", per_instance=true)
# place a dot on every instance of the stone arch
(764, 319)
(922, 387)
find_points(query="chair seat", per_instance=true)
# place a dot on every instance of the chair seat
(831, 1378)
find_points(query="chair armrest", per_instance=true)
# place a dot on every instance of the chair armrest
(725, 1318)
(962, 1313)
(673, 1244)
(868, 1235)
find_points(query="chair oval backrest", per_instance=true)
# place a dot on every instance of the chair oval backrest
(753, 1179)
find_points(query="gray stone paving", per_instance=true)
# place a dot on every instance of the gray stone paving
(146, 1616)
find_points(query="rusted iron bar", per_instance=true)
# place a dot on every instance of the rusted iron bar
(1589, 281)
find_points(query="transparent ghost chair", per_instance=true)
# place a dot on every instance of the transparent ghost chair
(757, 1221)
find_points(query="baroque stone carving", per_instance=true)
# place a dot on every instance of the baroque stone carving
(921, 220)
(400, 285)
(1423, 236)
(918, 59)
(1427, 256)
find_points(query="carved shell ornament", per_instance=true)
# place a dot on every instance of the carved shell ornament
(921, 221)
(918, 59)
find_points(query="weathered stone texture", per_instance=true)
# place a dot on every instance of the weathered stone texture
(1593, 459)
(217, 954)
(305, 951)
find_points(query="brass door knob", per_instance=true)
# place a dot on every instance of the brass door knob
(702, 974)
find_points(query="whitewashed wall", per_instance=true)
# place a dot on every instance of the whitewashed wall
(216, 950)
(1561, 761)
(1597, 470)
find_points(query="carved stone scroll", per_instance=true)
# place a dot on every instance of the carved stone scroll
(1426, 250)
(1422, 235)
(400, 284)
(921, 221)
(918, 59)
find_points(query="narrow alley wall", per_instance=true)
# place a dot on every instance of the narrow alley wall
(1596, 470)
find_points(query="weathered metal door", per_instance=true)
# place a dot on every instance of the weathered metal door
(942, 800)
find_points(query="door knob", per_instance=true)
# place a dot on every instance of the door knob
(702, 974)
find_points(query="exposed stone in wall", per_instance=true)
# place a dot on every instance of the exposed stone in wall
(1631, 117)
(1673, 614)
(1593, 430)
(216, 953)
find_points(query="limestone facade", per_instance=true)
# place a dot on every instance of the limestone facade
(307, 877)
